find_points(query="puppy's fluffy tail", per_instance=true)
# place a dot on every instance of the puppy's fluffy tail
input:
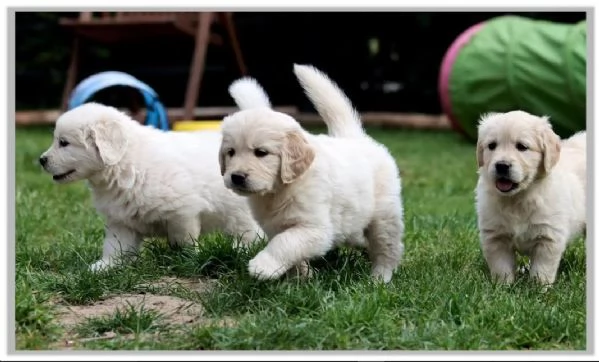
(248, 93)
(578, 140)
(330, 101)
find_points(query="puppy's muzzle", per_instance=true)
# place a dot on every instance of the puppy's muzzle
(43, 161)
(503, 181)
(502, 169)
(238, 179)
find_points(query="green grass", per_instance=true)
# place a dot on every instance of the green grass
(441, 298)
(131, 319)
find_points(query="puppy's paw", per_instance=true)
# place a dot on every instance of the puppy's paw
(301, 270)
(504, 278)
(100, 265)
(381, 272)
(241, 244)
(264, 266)
(250, 238)
(546, 280)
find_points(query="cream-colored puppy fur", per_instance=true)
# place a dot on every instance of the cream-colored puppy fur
(312, 192)
(146, 181)
(535, 202)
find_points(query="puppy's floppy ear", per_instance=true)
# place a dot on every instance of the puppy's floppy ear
(296, 157)
(479, 144)
(221, 160)
(479, 153)
(109, 138)
(551, 146)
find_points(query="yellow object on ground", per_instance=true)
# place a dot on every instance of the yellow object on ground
(196, 125)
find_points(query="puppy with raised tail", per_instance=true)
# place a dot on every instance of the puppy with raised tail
(145, 181)
(531, 193)
(312, 192)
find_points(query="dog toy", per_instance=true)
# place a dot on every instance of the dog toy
(156, 114)
(510, 63)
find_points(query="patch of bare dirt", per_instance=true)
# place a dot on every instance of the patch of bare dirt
(173, 310)
(194, 285)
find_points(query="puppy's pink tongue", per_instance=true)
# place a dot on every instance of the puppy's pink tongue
(504, 185)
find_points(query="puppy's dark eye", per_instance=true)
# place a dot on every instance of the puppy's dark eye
(492, 145)
(520, 147)
(62, 143)
(231, 152)
(259, 152)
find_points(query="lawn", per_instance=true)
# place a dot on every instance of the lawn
(203, 298)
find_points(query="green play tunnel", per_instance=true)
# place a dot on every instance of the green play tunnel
(512, 62)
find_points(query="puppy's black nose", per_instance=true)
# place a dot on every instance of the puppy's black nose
(238, 179)
(43, 160)
(502, 168)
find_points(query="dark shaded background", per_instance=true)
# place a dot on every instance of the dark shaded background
(411, 48)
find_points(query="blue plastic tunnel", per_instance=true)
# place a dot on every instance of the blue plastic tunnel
(156, 113)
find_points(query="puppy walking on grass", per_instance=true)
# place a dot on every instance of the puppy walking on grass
(145, 181)
(531, 193)
(312, 192)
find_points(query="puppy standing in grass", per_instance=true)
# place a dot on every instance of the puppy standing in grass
(312, 192)
(146, 181)
(531, 193)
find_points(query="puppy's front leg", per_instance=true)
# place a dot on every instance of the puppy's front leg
(500, 257)
(183, 230)
(291, 247)
(545, 259)
(117, 239)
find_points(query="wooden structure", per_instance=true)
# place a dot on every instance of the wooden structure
(376, 119)
(121, 27)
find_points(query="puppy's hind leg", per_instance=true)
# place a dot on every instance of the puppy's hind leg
(385, 234)
(183, 230)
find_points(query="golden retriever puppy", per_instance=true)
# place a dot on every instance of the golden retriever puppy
(145, 182)
(531, 193)
(312, 192)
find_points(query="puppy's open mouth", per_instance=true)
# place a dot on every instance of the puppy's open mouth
(243, 191)
(505, 185)
(62, 176)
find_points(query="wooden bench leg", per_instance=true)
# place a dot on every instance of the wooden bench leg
(71, 74)
(198, 62)
(227, 19)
